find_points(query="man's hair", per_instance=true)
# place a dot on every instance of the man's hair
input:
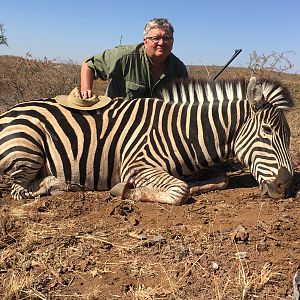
(162, 23)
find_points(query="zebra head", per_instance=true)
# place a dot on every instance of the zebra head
(264, 140)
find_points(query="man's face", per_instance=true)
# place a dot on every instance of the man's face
(158, 44)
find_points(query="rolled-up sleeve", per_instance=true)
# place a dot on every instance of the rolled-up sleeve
(106, 64)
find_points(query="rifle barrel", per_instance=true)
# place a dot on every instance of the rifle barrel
(236, 53)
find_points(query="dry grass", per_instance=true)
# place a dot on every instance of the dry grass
(51, 255)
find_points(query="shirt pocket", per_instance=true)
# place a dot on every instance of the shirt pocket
(136, 90)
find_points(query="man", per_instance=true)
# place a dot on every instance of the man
(136, 71)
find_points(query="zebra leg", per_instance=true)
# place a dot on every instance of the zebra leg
(153, 186)
(38, 187)
(120, 189)
(207, 180)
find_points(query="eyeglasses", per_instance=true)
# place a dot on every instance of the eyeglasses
(156, 39)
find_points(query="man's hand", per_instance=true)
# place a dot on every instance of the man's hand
(86, 94)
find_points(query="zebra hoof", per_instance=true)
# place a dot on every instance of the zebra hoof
(121, 189)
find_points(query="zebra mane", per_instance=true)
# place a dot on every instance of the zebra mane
(199, 91)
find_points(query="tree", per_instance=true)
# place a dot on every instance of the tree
(3, 39)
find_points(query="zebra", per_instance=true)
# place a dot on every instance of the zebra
(151, 149)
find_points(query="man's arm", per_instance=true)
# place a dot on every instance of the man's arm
(87, 80)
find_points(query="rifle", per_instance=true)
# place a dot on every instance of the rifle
(236, 53)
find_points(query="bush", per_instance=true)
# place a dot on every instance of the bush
(269, 65)
(27, 78)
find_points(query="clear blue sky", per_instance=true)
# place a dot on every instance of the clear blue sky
(206, 32)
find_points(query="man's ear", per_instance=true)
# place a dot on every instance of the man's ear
(145, 41)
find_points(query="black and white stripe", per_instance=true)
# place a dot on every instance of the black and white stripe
(157, 142)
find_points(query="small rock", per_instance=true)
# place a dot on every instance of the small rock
(215, 266)
(262, 246)
(240, 234)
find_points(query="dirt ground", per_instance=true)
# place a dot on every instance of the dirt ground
(230, 244)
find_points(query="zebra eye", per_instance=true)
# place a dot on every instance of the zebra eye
(266, 129)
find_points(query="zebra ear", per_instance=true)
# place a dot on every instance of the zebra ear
(255, 94)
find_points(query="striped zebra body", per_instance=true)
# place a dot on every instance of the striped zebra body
(149, 144)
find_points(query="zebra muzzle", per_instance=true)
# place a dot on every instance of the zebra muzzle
(281, 186)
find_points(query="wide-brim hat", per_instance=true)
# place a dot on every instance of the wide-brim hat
(74, 100)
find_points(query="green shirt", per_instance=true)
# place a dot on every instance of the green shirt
(127, 67)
